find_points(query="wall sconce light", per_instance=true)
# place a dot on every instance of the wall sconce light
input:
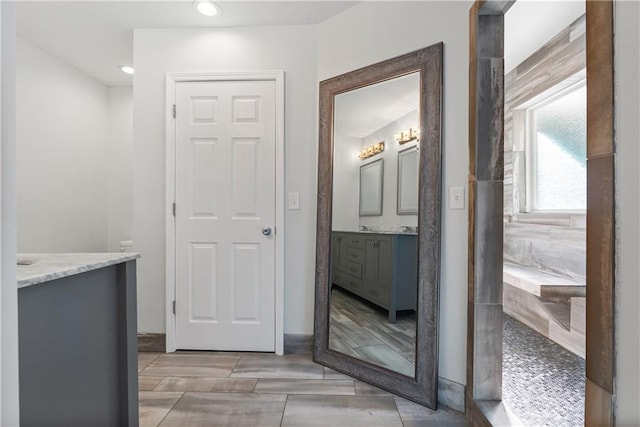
(371, 150)
(408, 136)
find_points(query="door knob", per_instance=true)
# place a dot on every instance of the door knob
(266, 230)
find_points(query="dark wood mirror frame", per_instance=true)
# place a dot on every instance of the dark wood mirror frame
(423, 387)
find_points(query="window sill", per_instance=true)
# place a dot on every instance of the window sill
(577, 219)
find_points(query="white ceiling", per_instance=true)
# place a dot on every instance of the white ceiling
(97, 36)
(529, 24)
(361, 112)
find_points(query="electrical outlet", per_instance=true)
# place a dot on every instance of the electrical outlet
(456, 197)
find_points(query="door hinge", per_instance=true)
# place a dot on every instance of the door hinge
(173, 111)
(174, 306)
(174, 209)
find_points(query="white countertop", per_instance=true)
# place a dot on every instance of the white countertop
(46, 267)
(400, 233)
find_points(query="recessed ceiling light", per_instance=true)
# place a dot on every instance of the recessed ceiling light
(207, 7)
(127, 69)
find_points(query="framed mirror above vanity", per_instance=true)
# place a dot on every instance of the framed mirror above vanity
(371, 187)
(378, 229)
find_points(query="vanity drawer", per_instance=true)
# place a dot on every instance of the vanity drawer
(377, 295)
(352, 284)
(356, 242)
(353, 268)
(355, 255)
(338, 277)
(347, 281)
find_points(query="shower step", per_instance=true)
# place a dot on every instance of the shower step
(542, 284)
(560, 311)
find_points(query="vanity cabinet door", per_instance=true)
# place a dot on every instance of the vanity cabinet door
(339, 251)
(370, 273)
(338, 259)
(385, 267)
(377, 260)
(335, 252)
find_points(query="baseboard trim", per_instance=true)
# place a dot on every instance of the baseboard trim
(293, 343)
(298, 344)
(152, 343)
(489, 413)
(451, 394)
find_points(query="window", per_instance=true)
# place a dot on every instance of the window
(557, 152)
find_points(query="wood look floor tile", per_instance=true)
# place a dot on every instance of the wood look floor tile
(295, 386)
(330, 374)
(144, 359)
(197, 359)
(279, 390)
(149, 383)
(272, 366)
(338, 344)
(192, 365)
(416, 415)
(209, 385)
(227, 409)
(154, 406)
(362, 330)
(383, 355)
(364, 389)
(354, 335)
(314, 410)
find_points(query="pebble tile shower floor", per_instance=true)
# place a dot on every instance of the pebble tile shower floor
(542, 383)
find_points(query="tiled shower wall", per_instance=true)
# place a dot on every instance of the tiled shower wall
(550, 242)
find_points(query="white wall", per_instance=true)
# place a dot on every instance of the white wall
(62, 135)
(9, 388)
(373, 31)
(627, 92)
(346, 177)
(390, 220)
(120, 166)
(156, 52)
(367, 33)
(530, 24)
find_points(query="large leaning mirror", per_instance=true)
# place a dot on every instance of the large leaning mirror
(377, 266)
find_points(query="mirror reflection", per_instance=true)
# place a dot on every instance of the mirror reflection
(374, 223)
(371, 187)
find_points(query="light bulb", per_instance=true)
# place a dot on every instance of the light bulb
(127, 69)
(206, 7)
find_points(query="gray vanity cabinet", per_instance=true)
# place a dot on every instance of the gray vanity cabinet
(381, 268)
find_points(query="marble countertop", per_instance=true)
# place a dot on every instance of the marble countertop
(39, 268)
(402, 233)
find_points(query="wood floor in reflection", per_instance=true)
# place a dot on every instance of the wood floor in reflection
(362, 330)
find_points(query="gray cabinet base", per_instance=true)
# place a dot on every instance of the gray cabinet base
(78, 349)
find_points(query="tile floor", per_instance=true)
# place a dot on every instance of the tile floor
(542, 383)
(254, 389)
(362, 330)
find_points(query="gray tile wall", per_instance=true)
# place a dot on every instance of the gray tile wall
(553, 243)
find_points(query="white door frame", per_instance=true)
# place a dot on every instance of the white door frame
(170, 284)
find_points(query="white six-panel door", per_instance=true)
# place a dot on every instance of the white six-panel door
(225, 209)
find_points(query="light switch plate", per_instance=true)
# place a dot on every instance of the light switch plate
(456, 197)
(294, 201)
